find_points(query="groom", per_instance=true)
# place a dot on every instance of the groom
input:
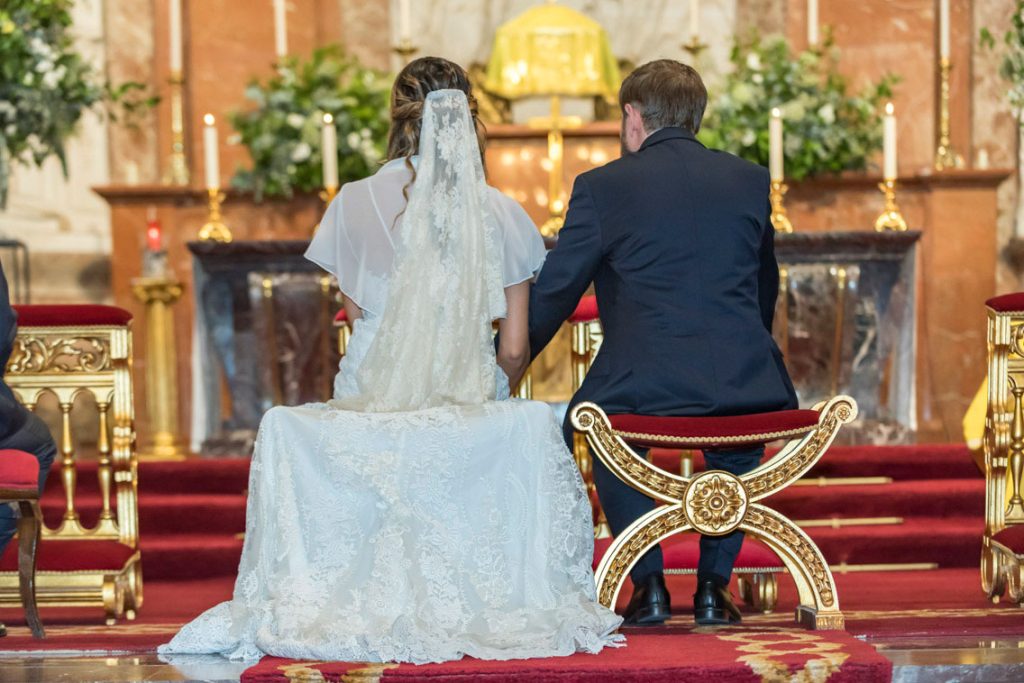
(678, 242)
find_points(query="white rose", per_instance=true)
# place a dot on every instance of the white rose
(365, 134)
(749, 138)
(301, 152)
(10, 130)
(51, 79)
(295, 120)
(754, 61)
(827, 113)
(353, 140)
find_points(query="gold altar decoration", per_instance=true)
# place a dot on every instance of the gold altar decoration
(780, 219)
(587, 336)
(1002, 570)
(945, 156)
(159, 295)
(405, 49)
(890, 218)
(552, 51)
(177, 166)
(716, 503)
(214, 229)
(67, 362)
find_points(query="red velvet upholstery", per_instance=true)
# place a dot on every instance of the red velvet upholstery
(683, 551)
(1013, 538)
(71, 314)
(646, 430)
(341, 318)
(18, 471)
(585, 311)
(69, 556)
(1007, 302)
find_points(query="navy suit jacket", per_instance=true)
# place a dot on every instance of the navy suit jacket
(12, 414)
(679, 244)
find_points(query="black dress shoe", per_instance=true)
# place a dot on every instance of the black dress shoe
(712, 605)
(650, 604)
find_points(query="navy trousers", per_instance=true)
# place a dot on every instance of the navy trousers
(33, 437)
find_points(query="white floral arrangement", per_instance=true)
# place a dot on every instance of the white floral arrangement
(1012, 66)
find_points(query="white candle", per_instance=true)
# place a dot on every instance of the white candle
(889, 143)
(280, 29)
(944, 29)
(329, 151)
(812, 23)
(775, 146)
(211, 153)
(174, 20)
(404, 21)
(695, 18)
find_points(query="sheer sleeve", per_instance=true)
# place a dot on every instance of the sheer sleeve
(524, 250)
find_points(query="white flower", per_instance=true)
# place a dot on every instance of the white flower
(295, 120)
(827, 113)
(10, 130)
(44, 65)
(51, 79)
(793, 111)
(754, 61)
(301, 152)
(365, 134)
(749, 138)
(353, 140)
(743, 93)
(757, 78)
(7, 109)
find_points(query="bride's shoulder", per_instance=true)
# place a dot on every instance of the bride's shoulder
(505, 206)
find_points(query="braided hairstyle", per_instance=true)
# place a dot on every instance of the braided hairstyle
(413, 83)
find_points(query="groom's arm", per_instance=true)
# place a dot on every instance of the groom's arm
(768, 272)
(568, 270)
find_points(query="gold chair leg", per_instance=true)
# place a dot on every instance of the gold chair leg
(760, 591)
(993, 573)
(29, 527)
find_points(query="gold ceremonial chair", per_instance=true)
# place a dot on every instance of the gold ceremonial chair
(67, 351)
(1002, 550)
(19, 485)
(716, 502)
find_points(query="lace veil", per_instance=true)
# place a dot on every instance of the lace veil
(434, 345)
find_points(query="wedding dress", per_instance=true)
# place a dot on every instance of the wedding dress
(421, 515)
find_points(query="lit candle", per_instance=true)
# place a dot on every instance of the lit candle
(695, 18)
(812, 23)
(329, 151)
(154, 237)
(775, 146)
(174, 10)
(404, 21)
(889, 142)
(944, 29)
(211, 153)
(280, 29)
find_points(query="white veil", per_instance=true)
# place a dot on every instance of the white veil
(434, 345)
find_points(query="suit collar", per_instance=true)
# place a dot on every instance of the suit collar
(671, 133)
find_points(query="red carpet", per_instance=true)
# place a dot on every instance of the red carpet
(732, 655)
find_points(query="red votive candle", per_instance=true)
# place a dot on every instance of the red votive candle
(154, 237)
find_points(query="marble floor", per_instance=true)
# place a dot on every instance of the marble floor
(916, 660)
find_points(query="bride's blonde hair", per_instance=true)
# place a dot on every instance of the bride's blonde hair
(413, 83)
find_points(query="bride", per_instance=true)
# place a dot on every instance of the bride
(421, 515)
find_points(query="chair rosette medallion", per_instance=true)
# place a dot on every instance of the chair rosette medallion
(715, 503)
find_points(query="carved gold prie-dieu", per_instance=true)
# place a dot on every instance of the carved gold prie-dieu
(59, 353)
(717, 503)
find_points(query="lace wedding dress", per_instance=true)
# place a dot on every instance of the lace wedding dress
(421, 515)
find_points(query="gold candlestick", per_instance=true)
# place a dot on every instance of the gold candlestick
(890, 218)
(945, 156)
(159, 294)
(695, 47)
(405, 49)
(177, 165)
(327, 195)
(779, 217)
(214, 229)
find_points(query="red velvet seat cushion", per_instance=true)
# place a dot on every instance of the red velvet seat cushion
(71, 314)
(647, 430)
(70, 556)
(1013, 538)
(18, 471)
(683, 551)
(1007, 302)
(585, 311)
(341, 318)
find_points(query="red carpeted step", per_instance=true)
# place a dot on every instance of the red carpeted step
(949, 541)
(196, 475)
(190, 556)
(923, 498)
(167, 513)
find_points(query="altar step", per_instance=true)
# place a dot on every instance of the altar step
(192, 513)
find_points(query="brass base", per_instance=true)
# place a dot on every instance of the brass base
(780, 220)
(213, 229)
(820, 621)
(890, 219)
(551, 226)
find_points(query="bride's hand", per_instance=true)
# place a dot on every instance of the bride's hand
(514, 343)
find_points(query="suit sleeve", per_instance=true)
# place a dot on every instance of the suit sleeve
(568, 270)
(768, 272)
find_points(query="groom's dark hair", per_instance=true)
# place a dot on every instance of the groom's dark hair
(667, 93)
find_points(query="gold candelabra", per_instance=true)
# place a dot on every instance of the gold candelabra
(177, 166)
(779, 217)
(405, 49)
(890, 218)
(159, 294)
(214, 230)
(945, 156)
(327, 195)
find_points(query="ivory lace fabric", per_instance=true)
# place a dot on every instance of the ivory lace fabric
(423, 535)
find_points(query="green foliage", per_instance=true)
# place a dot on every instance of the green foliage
(1012, 66)
(283, 132)
(46, 86)
(827, 130)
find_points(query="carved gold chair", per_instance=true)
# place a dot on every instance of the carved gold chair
(65, 352)
(716, 502)
(1002, 550)
(19, 485)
